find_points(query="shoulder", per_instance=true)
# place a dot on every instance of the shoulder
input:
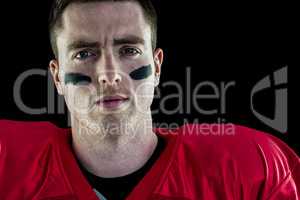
(231, 161)
(21, 135)
(237, 141)
(28, 151)
(239, 151)
(20, 128)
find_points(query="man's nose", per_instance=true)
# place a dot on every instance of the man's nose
(109, 74)
(111, 78)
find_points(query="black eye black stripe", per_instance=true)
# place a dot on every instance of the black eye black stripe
(77, 78)
(141, 73)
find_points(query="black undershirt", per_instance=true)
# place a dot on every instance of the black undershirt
(120, 187)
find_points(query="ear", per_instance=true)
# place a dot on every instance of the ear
(54, 69)
(158, 60)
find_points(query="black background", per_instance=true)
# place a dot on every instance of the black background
(220, 42)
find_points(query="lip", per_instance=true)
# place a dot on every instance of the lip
(111, 102)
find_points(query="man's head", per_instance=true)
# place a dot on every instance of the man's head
(59, 6)
(106, 59)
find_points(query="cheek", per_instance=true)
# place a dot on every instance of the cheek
(79, 99)
(142, 81)
(144, 93)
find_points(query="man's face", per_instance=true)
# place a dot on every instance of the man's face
(106, 65)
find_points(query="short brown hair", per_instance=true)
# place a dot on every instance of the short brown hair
(59, 6)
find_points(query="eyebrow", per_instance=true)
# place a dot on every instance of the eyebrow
(127, 39)
(82, 44)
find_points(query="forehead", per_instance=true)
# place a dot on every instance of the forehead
(102, 20)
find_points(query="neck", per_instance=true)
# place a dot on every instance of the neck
(113, 148)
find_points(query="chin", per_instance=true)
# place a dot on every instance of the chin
(110, 116)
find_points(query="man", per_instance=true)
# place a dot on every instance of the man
(107, 66)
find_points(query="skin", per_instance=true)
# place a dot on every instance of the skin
(115, 40)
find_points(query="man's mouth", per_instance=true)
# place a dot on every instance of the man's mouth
(112, 102)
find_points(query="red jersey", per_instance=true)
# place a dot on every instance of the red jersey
(37, 163)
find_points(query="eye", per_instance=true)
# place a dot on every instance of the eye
(83, 55)
(130, 51)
